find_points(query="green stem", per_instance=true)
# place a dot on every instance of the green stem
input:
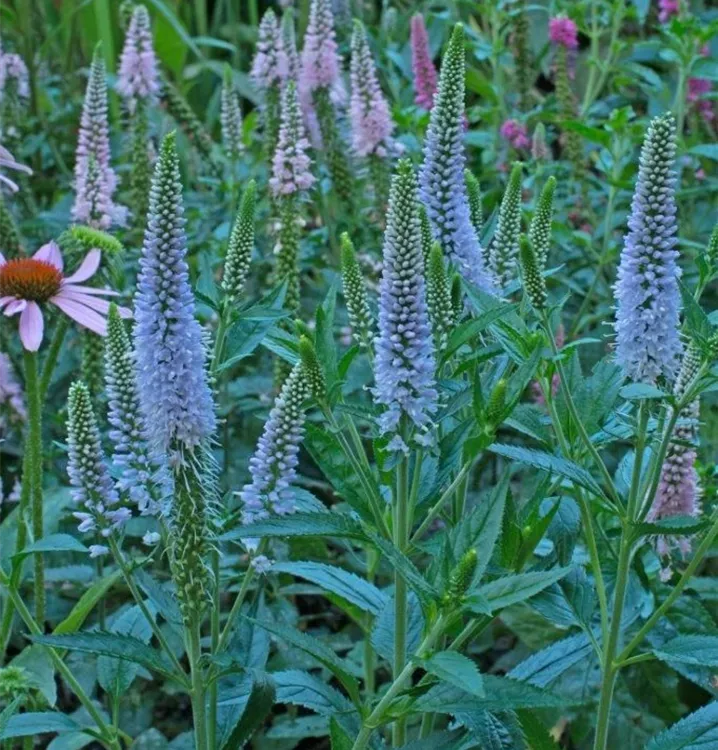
(199, 703)
(34, 446)
(445, 497)
(137, 596)
(239, 600)
(215, 633)
(53, 353)
(109, 740)
(401, 541)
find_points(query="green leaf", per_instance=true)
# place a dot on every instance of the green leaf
(86, 603)
(595, 135)
(52, 543)
(299, 688)
(516, 588)
(480, 528)
(698, 731)
(301, 524)
(407, 570)
(640, 392)
(502, 694)
(339, 738)
(675, 525)
(111, 644)
(316, 649)
(536, 733)
(40, 722)
(8, 712)
(690, 649)
(382, 636)
(261, 700)
(348, 586)
(709, 150)
(457, 670)
(550, 463)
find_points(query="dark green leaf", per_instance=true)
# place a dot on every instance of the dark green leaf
(457, 670)
(698, 731)
(516, 588)
(258, 706)
(301, 524)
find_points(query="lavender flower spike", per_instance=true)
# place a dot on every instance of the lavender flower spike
(404, 348)
(127, 433)
(86, 467)
(175, 396)
(95, 185)
(273, 466)
(270, 65)
(370, 119)
(138, 77)
(441, 179)
(231, 116)
(647, 293)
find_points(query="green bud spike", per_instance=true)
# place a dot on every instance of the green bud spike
(461, 577)
(476, 209)
(241, 245)
(438, 298)
(360, 317)
(497, 403)
(504, 250)
(540, 228)
(312, 369)
(534, 283)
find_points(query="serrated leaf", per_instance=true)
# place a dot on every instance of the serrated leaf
(341, 582)
(640, 392)
(38, 722)
(550, 463)
(676, 525)
(550, 663)
(258, 706)
(509, 590)
(301, 524)
(502, 693)
(316, 649)
(299, 688)
(110, 644)
(382, 636)
(52, 543)
(701, 650)
(698, 731)
(456, 669)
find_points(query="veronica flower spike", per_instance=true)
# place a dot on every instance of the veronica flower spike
(647, 293)
(441, 178)
(27, 284)
(405, 361)
(138, 76)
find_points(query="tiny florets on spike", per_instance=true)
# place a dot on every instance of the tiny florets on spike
(86, 467)
(534, 282)
(172, 379)
(667, 9)
(270, 64)
(522, 56)
(289, 39)
(241, 245)
(421, 64)
(360, 317)
(405, 362)
(95, 180)
(138, 76)
(13, 68)
(504, 250)
(290, 166)
(230, 116)
(274, 464)
(128, 433)
(370, 118)
(320, 60)
(540, 227)
(515, 133)
(443, 190)
(438, 298)
(647, 293)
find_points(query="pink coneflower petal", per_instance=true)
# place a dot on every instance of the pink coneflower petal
(79, 289)
(87, 268)
(32, 326)
(81, 314)
(5, 301)
(50, 253)
(15, 306)
(2, 260)
(12, 185)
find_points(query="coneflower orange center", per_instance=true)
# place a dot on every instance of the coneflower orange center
(29, 279)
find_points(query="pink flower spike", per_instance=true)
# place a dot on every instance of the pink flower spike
(563, 32)
(32, 326)
(422, 65)
(667, 9)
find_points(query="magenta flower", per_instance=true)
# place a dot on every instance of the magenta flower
(425, 79)
(515, 133)
(697, 89)
(138, 77)
(8, 160)
(667, 9)
(28, 283)
(563, 31)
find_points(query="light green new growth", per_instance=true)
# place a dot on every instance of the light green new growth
(438, 298)
(312, 369)
(241, 245)
(540, 227)
(476, 208)
(360, 317)
(534, 282)
(503, 254)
